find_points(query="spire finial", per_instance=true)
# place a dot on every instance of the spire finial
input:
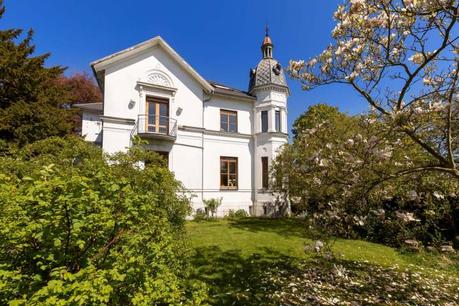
(267, 46)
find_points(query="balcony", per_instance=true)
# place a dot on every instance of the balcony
(157, 127)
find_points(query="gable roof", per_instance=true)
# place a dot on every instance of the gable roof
(99, 65)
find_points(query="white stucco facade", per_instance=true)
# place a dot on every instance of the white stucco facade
(91, 126)
(150, 91)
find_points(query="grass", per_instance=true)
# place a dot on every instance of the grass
(253, 261)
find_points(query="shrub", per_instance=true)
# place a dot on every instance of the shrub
(426, 216)
(238, 214)
(78, 227)
(200, 215)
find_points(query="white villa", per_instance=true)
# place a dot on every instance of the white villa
(218, 141)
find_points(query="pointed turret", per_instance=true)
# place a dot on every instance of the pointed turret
(268, 71)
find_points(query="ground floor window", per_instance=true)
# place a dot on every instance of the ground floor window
(228, 172)
(264, 172)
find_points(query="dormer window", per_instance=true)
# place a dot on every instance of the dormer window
(228, 121)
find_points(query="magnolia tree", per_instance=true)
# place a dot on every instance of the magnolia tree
(340, 171)
(401, 57)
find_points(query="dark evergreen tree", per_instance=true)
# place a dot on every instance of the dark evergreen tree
(30, 97)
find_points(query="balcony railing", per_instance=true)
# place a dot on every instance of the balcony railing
(156, 126)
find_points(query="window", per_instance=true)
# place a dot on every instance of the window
(278, 121)
(228, 172)
(157, 120)
(264, 172)
(228, 121)
(264, 121)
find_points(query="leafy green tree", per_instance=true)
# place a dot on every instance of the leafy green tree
(79, 227)
(319, 114)
(30, 98)
(301, 163)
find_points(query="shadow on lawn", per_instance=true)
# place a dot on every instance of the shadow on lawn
(286, 227)
(276, 279)
(234, 279)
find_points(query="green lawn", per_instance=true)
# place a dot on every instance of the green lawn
(262, 261)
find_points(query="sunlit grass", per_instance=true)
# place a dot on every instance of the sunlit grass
(257, 261)
(288, 237)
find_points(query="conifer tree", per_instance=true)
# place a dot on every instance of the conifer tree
(30, 98)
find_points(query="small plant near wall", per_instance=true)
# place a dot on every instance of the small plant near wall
(211, 206)
(237, 214)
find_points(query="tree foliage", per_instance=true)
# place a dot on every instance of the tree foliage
(79, 227)
(401, 57)
(81, 88)
(340, 171)
(30, 99)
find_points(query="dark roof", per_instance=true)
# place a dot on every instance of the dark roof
(267, 72)
(94, 107)
(225, 90)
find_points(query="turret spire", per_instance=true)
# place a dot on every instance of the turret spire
(267, 46)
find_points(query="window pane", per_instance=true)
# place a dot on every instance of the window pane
(223, 167)
(278, 121)
(232, 168)
(233, 119)
(264, 121)
(232, 128)
(233, 181)
(163, 109)
(224, 180)
(223, 122)
(151, 108)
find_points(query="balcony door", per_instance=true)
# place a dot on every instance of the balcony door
(158, 115)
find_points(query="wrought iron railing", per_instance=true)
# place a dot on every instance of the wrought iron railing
(156, 124)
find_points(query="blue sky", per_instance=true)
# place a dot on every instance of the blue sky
(220, 39)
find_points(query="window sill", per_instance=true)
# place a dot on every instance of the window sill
(228, 188)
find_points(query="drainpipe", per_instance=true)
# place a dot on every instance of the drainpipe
(206, 99)
(254, 159)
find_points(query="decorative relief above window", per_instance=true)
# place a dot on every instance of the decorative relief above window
(158, 79)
